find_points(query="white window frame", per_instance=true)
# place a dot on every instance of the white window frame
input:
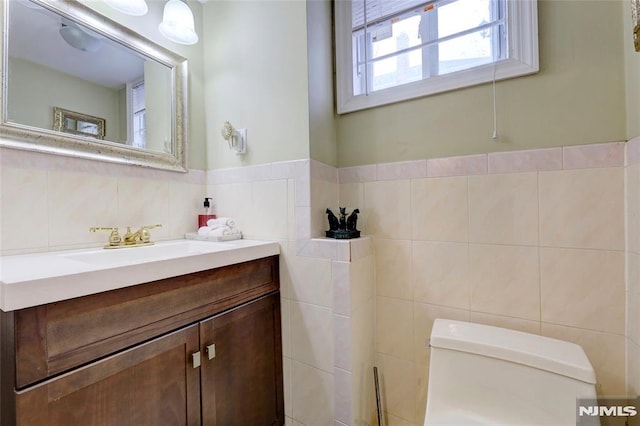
(522, 42)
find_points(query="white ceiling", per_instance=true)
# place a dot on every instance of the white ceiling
(34, 36)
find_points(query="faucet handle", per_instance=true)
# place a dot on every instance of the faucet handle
(114, 237)
(152, 226)
(145, 236)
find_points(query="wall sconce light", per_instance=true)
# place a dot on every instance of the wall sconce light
(129, 7)
(177, 23)
(177, 19)
(237, 139)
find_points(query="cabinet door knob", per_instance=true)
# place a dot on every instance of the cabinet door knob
(195, 357)
(211, 351)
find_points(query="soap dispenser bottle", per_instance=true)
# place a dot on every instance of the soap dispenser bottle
(203, 218)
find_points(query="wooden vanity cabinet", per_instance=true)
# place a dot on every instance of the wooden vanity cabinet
(200, 349)
(149, 384)
(240, 365)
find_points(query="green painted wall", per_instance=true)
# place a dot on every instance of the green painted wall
(255, 69)
(322, 124)
(632, 75)
(577, 97)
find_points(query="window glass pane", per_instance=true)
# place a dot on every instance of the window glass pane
(388, 37)
(139, 115)
(468, 51)
(138, 97)
(462, 15)
(359, 80)
(359, 83)
(139, 129)
(400, 69)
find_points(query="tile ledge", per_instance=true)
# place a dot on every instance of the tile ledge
(334, 249)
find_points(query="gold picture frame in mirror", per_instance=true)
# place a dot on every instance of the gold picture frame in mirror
(77, 123)
(635, 14)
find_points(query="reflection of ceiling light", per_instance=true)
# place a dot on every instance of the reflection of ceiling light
(130, 7)
(76, 37)
(177, 23)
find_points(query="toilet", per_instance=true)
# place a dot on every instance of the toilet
(483, 375)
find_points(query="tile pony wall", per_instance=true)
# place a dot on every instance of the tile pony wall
(327, 287)
(529, 240)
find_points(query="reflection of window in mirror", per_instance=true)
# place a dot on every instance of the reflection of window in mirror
(137, 115)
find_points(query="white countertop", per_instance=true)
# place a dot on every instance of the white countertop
(28, 280)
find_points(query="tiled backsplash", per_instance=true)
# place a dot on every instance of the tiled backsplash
(49, 202)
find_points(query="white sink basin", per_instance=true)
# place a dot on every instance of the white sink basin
(34, 279)
(129, 255)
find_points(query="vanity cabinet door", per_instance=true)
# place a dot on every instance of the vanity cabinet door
(154, 383)
(241, 375)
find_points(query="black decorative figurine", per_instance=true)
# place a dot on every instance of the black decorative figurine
(343, 228)
(343, 216)
(352, 220)
(333, 220)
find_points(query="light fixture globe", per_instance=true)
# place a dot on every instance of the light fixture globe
(177, 23)
(129, 7)
(78, 38)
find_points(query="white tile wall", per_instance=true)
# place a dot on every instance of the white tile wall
(508, 239)
(49, 202)
(529, 240)
(632, 290)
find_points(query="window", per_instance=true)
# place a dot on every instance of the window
(138, 115)
(391, 50)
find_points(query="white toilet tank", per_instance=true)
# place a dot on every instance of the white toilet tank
(483, 375)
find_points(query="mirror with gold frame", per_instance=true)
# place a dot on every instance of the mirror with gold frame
(31, 87)
(77, 123)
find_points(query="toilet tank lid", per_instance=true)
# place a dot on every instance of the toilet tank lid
(541, 352)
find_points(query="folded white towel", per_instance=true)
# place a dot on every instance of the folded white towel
(231, 231)
(221, 221)
(217, 232)
(213, 225)
(204, 231)
(223, 231)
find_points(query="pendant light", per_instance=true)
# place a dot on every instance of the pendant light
(129, 7)
(177, 23)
